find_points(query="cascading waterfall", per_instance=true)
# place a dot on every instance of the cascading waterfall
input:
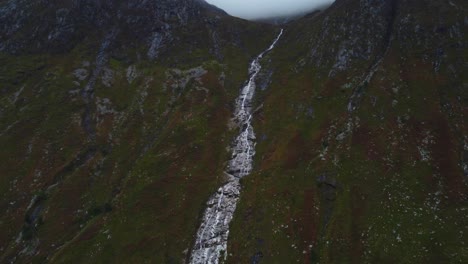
(212, 236)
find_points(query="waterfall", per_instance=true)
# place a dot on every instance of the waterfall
(212, 235)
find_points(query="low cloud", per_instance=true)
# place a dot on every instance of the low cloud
(255, 9)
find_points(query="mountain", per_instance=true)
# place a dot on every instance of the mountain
(113, 125)
(116, 130)
(362, 139)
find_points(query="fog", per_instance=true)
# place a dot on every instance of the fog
(255, 9)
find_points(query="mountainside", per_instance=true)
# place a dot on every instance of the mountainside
(119, 123)
(362, 152)
(113, 125)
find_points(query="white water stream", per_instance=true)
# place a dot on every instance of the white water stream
(212, 236)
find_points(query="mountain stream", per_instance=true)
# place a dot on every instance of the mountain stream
(212, 235)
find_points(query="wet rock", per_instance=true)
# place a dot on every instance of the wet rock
(213, 233)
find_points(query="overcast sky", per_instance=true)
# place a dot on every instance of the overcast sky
(251, 9)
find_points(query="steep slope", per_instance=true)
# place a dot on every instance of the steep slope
(113, 125)
(114, 132)
(362, 150)
(213, 233)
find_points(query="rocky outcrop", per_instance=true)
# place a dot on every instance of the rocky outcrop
(65, 23)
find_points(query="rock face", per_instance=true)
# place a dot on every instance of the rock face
(212, 236)
(65, 23)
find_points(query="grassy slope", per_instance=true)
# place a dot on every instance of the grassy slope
(388, 203)
(154, 161)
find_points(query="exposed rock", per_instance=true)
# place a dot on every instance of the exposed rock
(81, 74)
(178, 80)
(107, 77)
(131, 73)
(155, 45)
(87, 93)
(104, 106)
(64, 22)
